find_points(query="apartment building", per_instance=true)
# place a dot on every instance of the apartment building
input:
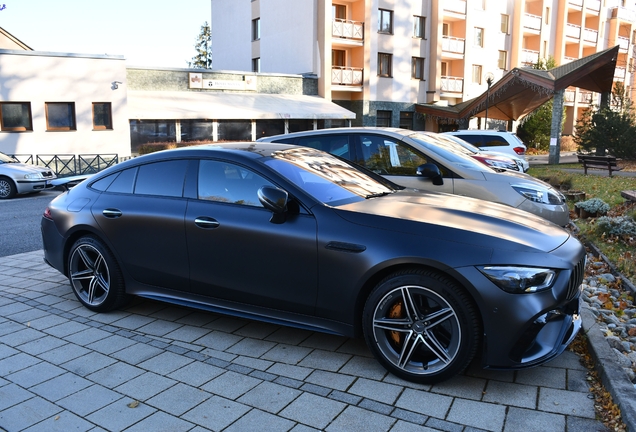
(382, 58)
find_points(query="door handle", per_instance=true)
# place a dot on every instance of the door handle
(111, 213)
(206, 222)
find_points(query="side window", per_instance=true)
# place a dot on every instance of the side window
(162, 178)
(335, 144)
(494, 141)
(225, 182)
(385, 156)
(473, 139)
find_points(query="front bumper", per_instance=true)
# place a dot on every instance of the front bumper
(29, 186)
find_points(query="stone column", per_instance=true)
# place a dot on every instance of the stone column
(555, 129)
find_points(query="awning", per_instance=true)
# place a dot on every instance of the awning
(173, 105)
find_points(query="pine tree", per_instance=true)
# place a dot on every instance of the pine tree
(203, 47)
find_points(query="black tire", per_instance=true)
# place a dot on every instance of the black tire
(430, 340)
(95, 277)
(7, 188)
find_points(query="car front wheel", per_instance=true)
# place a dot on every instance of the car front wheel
(7, 188)
(421, 326)
(95, 276)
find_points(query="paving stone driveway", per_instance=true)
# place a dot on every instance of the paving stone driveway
(154, 367)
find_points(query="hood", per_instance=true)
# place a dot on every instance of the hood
(515, 177)
(22, 168)
(506, 227)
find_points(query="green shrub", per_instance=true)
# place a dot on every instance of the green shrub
(593, 205)
(620, 226)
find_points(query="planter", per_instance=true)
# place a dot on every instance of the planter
(584, 214)
(574, 195)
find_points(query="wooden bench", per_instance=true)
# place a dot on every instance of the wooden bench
(629, 195)
(598, 162)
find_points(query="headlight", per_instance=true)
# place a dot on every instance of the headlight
(499, 164)
(539, 194)
(519, 280)
(33, 176)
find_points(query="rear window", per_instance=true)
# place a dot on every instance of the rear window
(494, 141)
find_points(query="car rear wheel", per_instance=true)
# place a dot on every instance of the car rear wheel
(7, 188)
(421, 326)
(95, 276)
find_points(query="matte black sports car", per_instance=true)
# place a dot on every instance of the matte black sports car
(296, 236)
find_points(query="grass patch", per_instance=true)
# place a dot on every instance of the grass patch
(621, 251)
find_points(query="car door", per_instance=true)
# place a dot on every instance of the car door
(237, 254)
(396, 161)
(142, 212)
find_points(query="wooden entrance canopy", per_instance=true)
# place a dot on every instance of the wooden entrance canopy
(522, 90)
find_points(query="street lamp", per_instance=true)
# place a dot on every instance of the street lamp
(489, 79)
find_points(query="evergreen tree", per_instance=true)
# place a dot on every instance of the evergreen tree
(203, 47)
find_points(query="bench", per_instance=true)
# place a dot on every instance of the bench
(598, 162)
(629, 195)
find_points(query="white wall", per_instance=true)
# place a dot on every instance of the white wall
(40, 77)
(231, 31)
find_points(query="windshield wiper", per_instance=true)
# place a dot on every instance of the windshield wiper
(378, 194)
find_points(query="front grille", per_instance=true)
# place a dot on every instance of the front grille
(576, 279)
(47, 174)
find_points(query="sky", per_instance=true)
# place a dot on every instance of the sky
(151, 33)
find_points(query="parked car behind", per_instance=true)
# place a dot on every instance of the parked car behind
(490, 158)
(18, 178)
(295, 236)
(419, 160)
(498, 141)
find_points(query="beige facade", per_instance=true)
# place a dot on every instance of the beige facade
(384, 56)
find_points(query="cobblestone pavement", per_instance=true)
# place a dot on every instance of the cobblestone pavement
(153, 367)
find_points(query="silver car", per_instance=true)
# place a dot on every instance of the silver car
(17, 178)
(418, 160)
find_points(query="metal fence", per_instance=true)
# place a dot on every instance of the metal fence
(70, 165)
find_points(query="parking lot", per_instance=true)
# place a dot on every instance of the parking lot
(152, 366)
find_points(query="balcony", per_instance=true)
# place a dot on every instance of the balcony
(532, 22)
(573, 31)
(583, 97)
(623, 43)
(452, 84)
(455, 6)
(453, 45)
(529, 57)
(590, 35)
(347, 76)
(593, 5)
(347, 29)
(620, 73)
(624, 14)
(576, 3)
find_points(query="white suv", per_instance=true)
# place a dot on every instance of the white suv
(498, 141)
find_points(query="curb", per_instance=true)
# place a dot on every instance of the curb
(612, 375)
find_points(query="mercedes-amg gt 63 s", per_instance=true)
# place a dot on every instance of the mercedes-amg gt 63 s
(296, 236)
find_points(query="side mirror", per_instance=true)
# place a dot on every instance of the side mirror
(275, 200)
(431, 171)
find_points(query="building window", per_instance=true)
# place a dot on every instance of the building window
(503, 60)
(60, 116)
(477, 74)
(406, 120)
(15, 116)
(256, 29)
(505, 23)
(338, 57)
(256, 64)
(385, 64)
(419, 26)
(547, 15)
(445, 29)
(383, 118)
(339, 11)
(417, 68)
(102, 117)
(479, 36)
(385, 21)
(444, 68)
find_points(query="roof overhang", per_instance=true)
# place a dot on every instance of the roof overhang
(170, 105)
(522, 90)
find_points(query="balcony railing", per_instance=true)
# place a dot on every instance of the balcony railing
(623, 43)
(348, 29)
(532, 22)
(529, 57)
(590, 35)
(624, 14)
(620, 73)
(341, 75)
(452, 84)
(573, 30)
(453, 44)
(578, 3)
(594, 5)
(457, 6)
(569, 59)
(584, 97)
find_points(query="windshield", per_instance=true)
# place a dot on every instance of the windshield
(325, 177)
(6, 159)
(449, 154)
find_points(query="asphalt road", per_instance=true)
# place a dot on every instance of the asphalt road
(20, 222)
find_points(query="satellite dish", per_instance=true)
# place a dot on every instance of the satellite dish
(490, 77)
